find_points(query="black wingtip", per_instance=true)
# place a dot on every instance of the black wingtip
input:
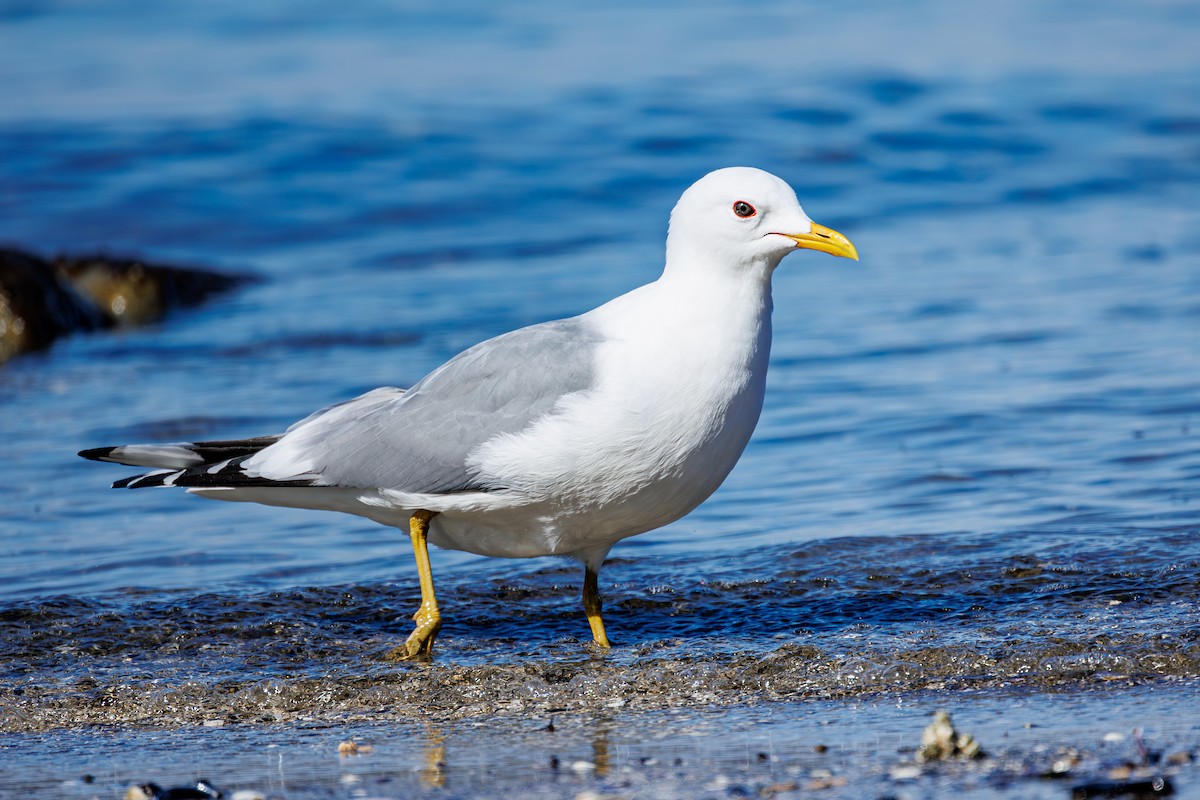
(96, 453)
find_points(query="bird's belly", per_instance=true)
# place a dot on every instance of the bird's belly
(584, 522)
(585, 489)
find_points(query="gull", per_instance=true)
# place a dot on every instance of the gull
(558, 439)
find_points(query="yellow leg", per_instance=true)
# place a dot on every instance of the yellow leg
(592, 605)
(419, 644)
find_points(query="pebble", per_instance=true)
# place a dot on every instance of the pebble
(1063, 765)
(831, 782)
(1152, 787)
(350, 748)
(200, 790)
(940, 741)
(904, 772)
(590, 794)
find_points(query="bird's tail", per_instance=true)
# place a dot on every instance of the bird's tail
(171, 459)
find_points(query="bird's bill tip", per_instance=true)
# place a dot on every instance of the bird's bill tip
(826, 240)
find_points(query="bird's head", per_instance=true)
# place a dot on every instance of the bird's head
(744, 217)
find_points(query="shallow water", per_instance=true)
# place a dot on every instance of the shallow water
(978, 466)
(844, 618)
(1037, 746)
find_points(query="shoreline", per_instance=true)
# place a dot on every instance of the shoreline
(1036, 744)
(214, 691)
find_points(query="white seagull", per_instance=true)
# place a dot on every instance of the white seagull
(561, 438)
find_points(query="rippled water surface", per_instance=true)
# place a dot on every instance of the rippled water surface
(979, 462)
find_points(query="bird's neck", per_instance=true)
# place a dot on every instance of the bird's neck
(689, 261)
(710, 317)
(713, 283)
(716, 307)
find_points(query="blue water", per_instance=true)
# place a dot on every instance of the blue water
(1018, 347)
(979, 461)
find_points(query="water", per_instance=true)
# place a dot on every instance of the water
(979, 463)
(848, 749)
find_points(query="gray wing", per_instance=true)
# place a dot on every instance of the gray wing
(418, 441)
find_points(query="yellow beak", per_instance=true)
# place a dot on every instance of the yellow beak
(827, 240)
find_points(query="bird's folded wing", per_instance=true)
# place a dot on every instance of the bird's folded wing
(420, 440)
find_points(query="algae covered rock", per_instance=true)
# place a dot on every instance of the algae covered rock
(36, 307)
(41, 300)
(134, 292)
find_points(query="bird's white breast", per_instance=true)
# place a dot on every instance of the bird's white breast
(676, 400)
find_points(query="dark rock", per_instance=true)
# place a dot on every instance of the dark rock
(42, 300)
(133, 292)
(1150, 787)
(200, 790)
(36, 307)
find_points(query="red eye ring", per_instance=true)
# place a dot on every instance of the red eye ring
(744, 209)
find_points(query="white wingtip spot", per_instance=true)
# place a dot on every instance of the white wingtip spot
(215, 468)
(155, 474)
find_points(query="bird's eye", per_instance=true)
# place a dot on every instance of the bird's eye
(743, 209)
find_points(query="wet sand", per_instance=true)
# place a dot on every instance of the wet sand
(1036, 745)
(822, 621)
(1051, 663)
